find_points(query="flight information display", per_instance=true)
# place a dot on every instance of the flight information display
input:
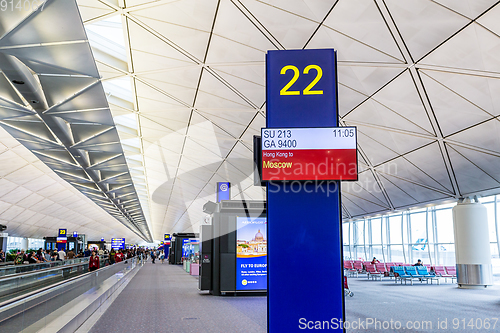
(118, 243)
(327, 153)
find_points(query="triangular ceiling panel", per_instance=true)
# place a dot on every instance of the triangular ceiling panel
(478, 90)
(181, 83)
(366, 189)
(429, 160)
(469, 8)
(398, 197)
(90, 98)
(93, 9)
(212, 93)
(235, 38)
(65, 57)
(419, 194)
(470, 176)
(7, 92)
(488, 162)
(372, 112)
(367, 79)
(234, 129)
(424, 24)
(290, 30)
(35, 30)
(153, 52)
(475, 136)
(345, 15)
(403, 169)
(401, 97)
(473, 48)
(445, 104)
(349, 48)
(58, 89)
(252, 86)
(186, 23)
(398, 142)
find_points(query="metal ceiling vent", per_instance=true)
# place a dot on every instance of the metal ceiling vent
(53, 102)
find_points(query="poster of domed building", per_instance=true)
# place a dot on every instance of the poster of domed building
(251, 255)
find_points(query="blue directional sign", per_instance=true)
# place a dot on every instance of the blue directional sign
(118, 243)
(223, 191)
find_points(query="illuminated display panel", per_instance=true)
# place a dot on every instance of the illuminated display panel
(309, 153)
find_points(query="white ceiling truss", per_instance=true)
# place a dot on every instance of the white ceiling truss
(185, 83)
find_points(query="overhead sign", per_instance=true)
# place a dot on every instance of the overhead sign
(327, 153)
(62, 236)
(223, 191)
(167, 239)
(118, 243)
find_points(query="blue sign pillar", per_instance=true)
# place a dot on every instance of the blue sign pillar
(305, 275)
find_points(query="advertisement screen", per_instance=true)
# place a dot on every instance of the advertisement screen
(251, 255)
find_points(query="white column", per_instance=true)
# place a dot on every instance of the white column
(24, 244)
(472, 244)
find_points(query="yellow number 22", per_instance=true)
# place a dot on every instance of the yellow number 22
(307, 90)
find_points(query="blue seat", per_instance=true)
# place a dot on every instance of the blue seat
(406, 273)
(422, 271)
(424, 274)
(411, 270)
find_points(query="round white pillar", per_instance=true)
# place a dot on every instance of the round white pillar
(24, 244)
(472, 244)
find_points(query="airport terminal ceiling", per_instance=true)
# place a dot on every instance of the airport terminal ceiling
(167, 102)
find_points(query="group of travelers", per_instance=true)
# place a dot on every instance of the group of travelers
(38, 257)
(41, 256)
(115, 256)
(156, 253)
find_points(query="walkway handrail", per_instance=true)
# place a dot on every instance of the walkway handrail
(57, 284)
(39, 271)
(34, 267)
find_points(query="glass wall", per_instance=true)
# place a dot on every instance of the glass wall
(16, 243)
(425, 234)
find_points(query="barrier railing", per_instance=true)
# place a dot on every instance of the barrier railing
(16, 269)
(36, 309)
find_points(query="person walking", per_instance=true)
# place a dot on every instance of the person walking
(162, 256)
(20, 258)
(61, 254)
(112, 255)
(93, 262)
(153, 256)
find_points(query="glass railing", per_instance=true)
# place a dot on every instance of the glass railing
(23, 268)
(35, 311)
(16, 284)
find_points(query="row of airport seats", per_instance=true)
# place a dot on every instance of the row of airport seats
(421, 273)
(400, 271)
